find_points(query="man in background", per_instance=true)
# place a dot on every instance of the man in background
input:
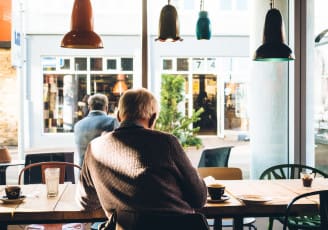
(94, 124)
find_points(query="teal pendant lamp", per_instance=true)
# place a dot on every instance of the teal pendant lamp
(273, 48)
(203, 27)
(169, 24)
(82, 35)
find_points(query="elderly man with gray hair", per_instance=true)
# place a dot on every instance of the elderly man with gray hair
(94, 124)
(136, 169)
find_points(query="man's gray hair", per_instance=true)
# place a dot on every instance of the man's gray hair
(98, 101)
(137, 104)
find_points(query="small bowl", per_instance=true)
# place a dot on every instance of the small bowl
(13, 191)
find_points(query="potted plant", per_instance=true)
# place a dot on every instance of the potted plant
(173, 121)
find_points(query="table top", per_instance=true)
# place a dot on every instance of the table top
(38, 208)
(281, 193)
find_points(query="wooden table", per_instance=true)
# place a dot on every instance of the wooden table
(281, 192)
(37, 208)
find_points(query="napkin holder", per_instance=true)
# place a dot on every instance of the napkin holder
(5, 156)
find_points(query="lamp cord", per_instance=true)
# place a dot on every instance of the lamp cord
(168, 2)
(201, 5)
(271, 4)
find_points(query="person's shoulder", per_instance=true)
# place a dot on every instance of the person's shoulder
(79, 123)
(162, 134)
(102, 138)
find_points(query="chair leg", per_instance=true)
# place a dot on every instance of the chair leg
(270, 226)
(252, 227)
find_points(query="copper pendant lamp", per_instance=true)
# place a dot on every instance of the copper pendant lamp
(120, 86)
(82, 35)
(203, 27)
(169, 24)
(273, 48)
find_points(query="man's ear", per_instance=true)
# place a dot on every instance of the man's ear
(118, 116)
(151, 122)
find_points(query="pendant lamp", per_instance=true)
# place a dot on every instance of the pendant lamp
(169, 24)
(82, 35)
(120, 86)
(203, 27)
(273, 47)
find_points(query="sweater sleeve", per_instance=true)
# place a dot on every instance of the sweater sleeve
(86, 195)
(193, 187)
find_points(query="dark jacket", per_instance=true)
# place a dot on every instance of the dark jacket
(139, 170)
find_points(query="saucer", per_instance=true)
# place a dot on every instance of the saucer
(19, 200)
(254, 199)
(224, 198)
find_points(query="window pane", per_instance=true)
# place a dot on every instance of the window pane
(111, 64)
(182, 64)
(60, 93)
(319, 101)
(127, 64)
(96, 64)
(64, 64)
(80, 64)
(167, 64)
(48, 63)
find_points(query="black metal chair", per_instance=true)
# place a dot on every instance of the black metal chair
(321, 220)
(215, 157)
(291, 171)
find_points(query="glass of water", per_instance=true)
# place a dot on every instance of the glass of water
(52, 181)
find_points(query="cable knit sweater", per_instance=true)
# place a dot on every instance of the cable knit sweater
(137, 169)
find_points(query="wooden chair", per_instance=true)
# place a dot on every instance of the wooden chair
(226, 173)
(215, 157)
(50, 164)
(33, 176)
(41, 166)
(321, 220)
(291, 171)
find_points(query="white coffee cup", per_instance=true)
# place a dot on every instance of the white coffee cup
(52, 181)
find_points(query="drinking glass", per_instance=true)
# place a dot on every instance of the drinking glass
(52, 181)
(307, 178)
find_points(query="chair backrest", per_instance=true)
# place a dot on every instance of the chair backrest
(50, 164)
(323, 209)
(33, 176)
(215, 157)
(221, 173)
(151, 221)
(289, 171)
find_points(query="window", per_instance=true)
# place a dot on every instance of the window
(66, 87)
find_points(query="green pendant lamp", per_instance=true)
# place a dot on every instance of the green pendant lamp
(273, 48)
(203, 27)
(82, 35)
(169, 24)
